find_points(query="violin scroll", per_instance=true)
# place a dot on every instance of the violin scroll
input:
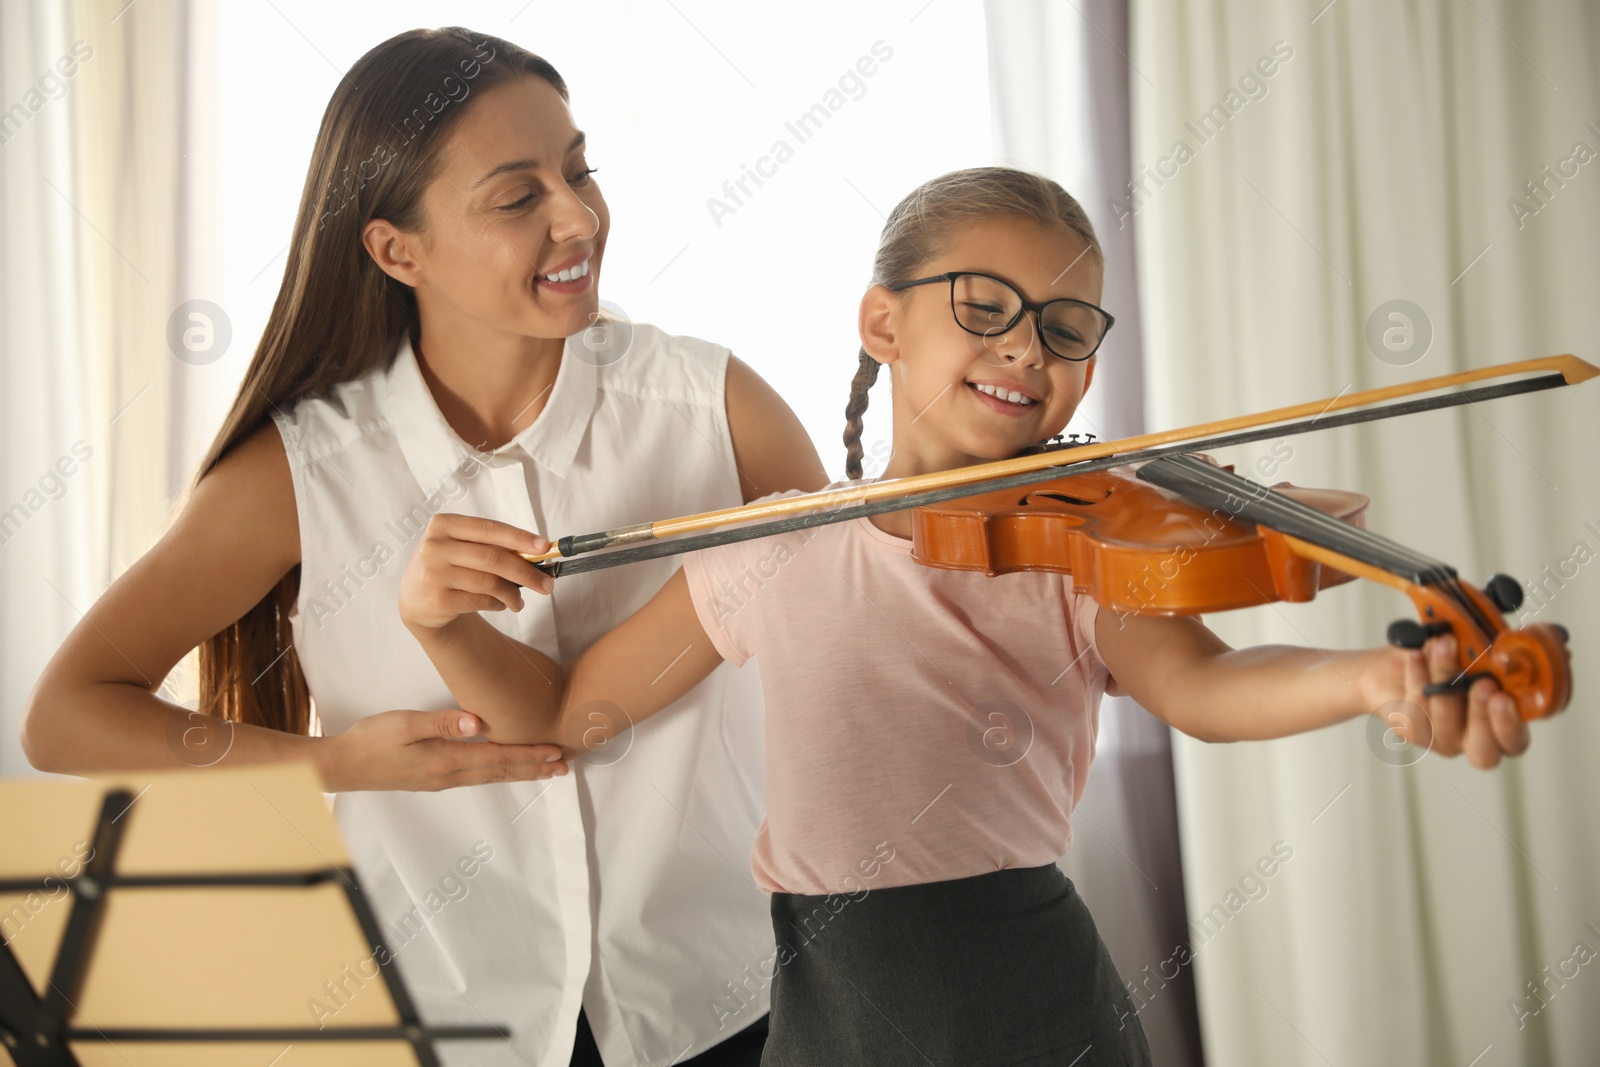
(1534, 665)
(1531, 663)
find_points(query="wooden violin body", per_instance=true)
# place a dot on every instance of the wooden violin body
(1181, 536)
(1133, 546)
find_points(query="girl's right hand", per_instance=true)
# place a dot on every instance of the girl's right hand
(466, 564)
(427, 751)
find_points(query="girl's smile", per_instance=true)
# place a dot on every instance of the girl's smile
(1009, 397)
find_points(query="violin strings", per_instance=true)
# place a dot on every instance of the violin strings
(1321, 528)
(1469, 606)
(1295, 518)
(1215, 483)
(1335, 532)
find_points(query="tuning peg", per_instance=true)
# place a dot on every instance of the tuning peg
(1566, 637)
(1408, 633)
(1505, 591)
(1088, 438)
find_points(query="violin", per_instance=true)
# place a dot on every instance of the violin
(1182, 536)
(1175, 534)
(1135, 547)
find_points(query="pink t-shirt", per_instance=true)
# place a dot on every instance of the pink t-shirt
(922, 724)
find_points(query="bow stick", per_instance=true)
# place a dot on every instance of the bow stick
(669, 537)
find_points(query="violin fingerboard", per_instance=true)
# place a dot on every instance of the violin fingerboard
(1208, 485)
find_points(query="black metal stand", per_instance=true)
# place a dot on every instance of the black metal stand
(34, 1029)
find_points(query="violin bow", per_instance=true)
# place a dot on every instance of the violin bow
(578, 553)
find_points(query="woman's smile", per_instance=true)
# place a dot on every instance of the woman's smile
(573, 276)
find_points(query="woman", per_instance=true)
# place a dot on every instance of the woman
(434, 380)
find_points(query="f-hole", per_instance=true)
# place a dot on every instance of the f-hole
(1062, 497)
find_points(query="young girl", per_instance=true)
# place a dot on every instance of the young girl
(930, 732)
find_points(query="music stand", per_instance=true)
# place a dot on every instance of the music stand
(197, 917)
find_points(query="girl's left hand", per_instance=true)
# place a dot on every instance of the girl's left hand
(1483, 722)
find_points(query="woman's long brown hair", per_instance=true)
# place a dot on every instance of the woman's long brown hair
(337, 315)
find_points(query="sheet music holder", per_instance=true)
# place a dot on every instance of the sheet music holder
(190, 918)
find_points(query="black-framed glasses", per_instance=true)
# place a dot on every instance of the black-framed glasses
(986, 306)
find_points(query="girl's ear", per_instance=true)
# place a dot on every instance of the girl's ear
(1088, 372)
(877, 324)
(391, 251)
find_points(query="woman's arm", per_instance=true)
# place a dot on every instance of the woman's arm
(771, 449)
(95, 709)
(1190, 679)
(466, 565)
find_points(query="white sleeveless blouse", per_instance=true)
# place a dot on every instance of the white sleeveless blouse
(625, 885)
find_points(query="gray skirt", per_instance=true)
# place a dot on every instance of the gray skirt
(1000, 968)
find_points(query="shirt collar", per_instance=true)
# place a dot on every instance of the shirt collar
(433, 449)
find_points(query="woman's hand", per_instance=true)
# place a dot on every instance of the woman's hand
(1483, 723)
(426, 751)
(466, 564)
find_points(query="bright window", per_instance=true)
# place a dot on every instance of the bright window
(681, 100)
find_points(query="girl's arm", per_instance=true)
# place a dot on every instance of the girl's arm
(466, 565)
(95, 708)
(650, 659)
(1190, 679)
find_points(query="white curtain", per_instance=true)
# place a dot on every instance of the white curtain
(88, 264)
(1059, 91)
(1307, 165)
